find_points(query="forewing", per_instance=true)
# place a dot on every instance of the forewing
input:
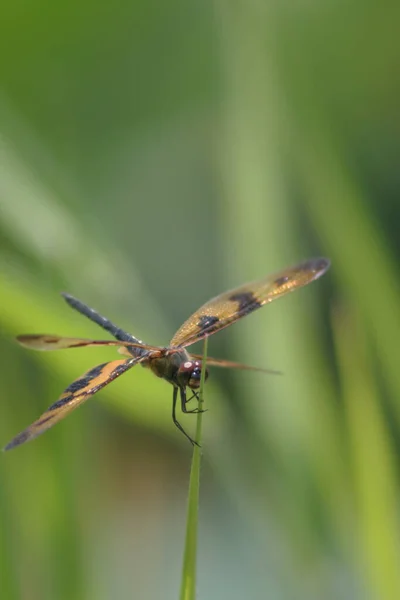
(230, 306)
(55, 342)
(75, 394)
(228, 364)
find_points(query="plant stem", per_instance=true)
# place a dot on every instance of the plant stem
(188, 583)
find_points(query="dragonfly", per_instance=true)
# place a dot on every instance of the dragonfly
(173, 362)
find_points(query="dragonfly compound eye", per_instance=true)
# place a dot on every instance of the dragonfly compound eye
(173, 363)
(190, 373)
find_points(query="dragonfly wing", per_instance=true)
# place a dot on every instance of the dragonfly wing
(56, 342)
(228, 364)
(75, 394)
(97, 318)
(225, 309)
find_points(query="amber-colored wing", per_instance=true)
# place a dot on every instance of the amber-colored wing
(230, 306)
(55, 342)
(228, 364)
(75, 394)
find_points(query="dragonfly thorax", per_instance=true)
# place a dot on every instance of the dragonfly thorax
(172, 363)
(189, 374)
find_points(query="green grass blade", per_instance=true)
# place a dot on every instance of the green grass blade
(188, 584)
(362, 261)
(372, 459)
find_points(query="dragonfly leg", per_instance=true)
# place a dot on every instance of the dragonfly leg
(175, 420)
(194, 395)
(184, 401)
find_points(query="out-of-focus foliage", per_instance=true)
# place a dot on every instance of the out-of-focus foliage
(152, 155)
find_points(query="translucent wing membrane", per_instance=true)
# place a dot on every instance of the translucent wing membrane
(230, 306)
(216, 314)
(55, 342)
(75, 394)
(227, 364)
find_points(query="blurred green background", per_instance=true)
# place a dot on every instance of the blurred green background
(153, 155)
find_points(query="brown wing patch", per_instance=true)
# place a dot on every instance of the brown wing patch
(54, 342)
(208, 323)
(75, 394)
(247, 302)
(230, 306)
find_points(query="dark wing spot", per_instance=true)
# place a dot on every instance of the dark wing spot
(246, 300)
(77, 385)
(84, 381)
(282, 280)
(95, 371)
(61, 402)
(118, 370)
(80, 384)
(207, 322)
(43, 421)
(18, 440)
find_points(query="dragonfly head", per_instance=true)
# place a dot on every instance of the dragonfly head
(189, 374)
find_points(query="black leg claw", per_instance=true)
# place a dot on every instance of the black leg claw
(191, 397)
(183, 407)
